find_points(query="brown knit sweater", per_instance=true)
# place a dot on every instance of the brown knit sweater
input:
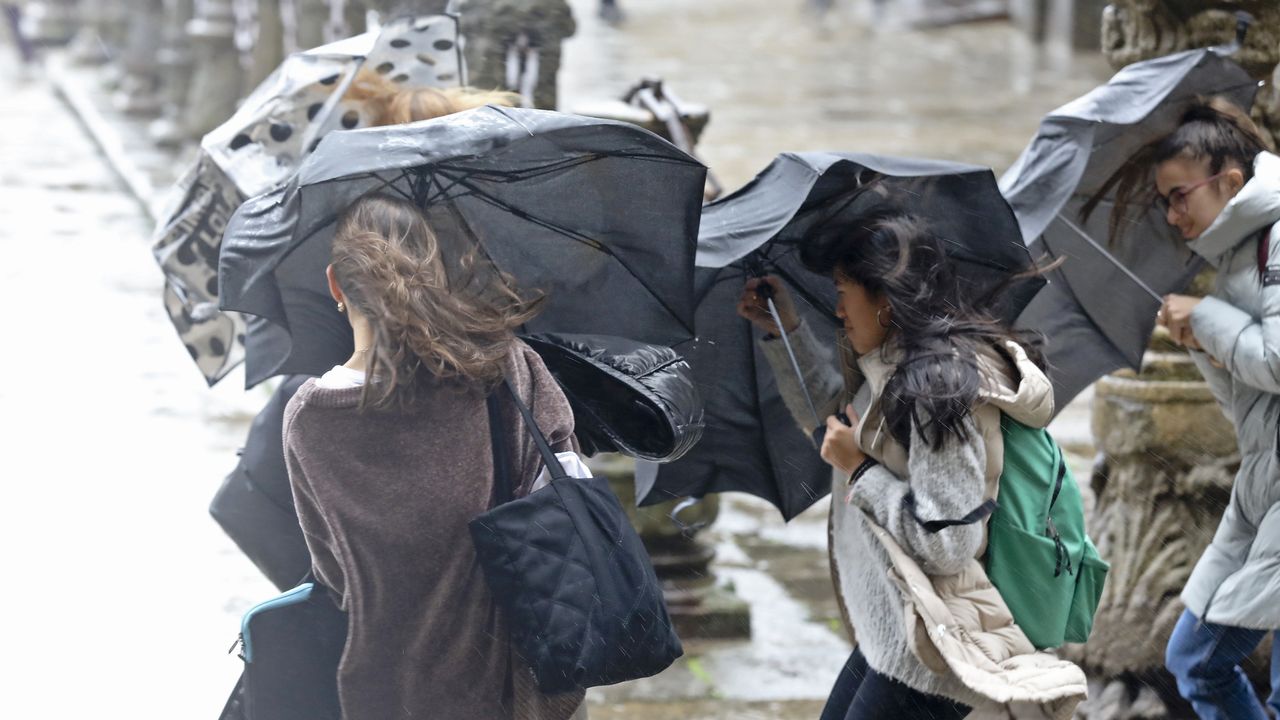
(384, 499)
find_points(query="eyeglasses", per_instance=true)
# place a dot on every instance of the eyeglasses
(1177, 198)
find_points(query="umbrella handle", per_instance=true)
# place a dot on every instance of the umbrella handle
(820, 432)
(687, 529)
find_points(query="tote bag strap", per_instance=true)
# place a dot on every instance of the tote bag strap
(548, 455)
(503, 487)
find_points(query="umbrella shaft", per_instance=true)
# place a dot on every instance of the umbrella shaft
(795, 364)
(1112, 259)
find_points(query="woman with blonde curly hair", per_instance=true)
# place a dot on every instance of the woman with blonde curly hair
(389, 456)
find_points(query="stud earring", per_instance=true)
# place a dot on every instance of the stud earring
(341, 307)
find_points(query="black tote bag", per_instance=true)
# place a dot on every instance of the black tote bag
(583, 602)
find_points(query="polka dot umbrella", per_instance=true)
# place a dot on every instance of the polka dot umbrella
(310, 95)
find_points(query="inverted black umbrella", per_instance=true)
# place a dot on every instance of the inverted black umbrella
(1099, 309)
(751, 442)
(601, 216)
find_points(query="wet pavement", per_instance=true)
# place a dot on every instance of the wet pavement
(129, 595)
(122, 596)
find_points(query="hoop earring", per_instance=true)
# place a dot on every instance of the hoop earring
(341, 307)
(880, 321)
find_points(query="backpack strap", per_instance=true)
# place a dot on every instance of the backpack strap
(1267, 274)
(982, 512)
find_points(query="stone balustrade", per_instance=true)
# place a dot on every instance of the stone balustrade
(188, 63)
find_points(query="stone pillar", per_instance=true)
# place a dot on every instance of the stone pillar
(139, 91)
(101, 33)
(268, 43)
(699, 607)
(52, 22)
(1134, 30)
(1162, 481)
(525, 34)
(350, 19)
(218, 79)
(176, 65)
(310, 18)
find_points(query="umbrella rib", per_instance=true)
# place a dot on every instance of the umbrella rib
(1111, 258)
(577, 237)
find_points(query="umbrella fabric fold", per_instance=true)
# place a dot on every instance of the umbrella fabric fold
(599, 216)
(310, 95)
(1095, 316)
(752, 443)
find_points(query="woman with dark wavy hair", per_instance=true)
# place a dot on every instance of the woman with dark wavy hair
(927, 374)
(389, 458)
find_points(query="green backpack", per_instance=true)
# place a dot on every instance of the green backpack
(1038, 554)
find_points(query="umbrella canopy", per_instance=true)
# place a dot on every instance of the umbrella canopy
(752, 443)
(277, 125)
(801, 196)
(1095, 316)
(600, 216)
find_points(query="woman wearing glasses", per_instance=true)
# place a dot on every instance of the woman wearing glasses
(1220, 188)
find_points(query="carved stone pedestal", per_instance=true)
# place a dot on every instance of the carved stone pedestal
(699, 607)
(1162, 481)
(1134, 30)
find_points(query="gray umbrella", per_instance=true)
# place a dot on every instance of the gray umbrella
(601, 216)
(1099, 308)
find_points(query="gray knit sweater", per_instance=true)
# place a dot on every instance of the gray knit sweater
(384, 499)
(946, 483)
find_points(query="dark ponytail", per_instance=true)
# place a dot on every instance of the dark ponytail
(1212, 129)
(941, 332)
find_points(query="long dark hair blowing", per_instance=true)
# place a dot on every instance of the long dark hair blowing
(1213, 129)
(940, 331)
(433, 316)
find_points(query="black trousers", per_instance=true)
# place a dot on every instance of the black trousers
(861, 693)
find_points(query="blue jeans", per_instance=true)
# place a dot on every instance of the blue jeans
(1205, 659)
